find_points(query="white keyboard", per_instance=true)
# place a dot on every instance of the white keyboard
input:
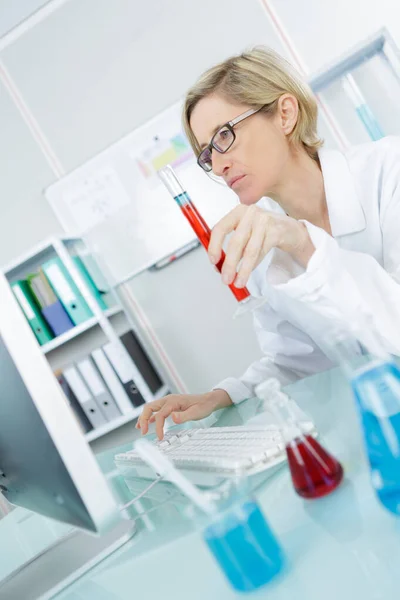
(209, 455)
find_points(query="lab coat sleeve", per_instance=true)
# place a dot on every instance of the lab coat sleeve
(341, 284)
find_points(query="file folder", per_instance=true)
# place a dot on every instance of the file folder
(142, 361)
(84, 397)
(130, 377)
(57, 318)
(112, 381)
(32, 312)
(100, 393)
(66, 290)
(89, 282)
(73, 403)
(95, 273)
(51, 307)
(99, 279)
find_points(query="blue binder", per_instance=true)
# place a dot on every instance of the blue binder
(52, 310)
(67, 291)
(57, 318)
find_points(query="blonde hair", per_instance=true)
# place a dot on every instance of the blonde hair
(258, 78)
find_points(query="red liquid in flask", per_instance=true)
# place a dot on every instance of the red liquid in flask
(203, 232)
(314, 471)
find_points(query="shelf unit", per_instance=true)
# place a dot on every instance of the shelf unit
(77, 330)
(79, 341)
(97, 433)
(361, 91)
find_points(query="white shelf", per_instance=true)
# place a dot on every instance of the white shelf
(77, 330)
(62, 248)
(96, 433)
(42, 246)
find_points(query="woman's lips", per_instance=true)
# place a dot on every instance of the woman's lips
(235, 180)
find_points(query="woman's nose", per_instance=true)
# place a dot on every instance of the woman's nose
(221, 163)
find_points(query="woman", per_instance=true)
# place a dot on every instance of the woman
(317, 231)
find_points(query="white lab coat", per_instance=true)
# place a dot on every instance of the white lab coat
(355, 271)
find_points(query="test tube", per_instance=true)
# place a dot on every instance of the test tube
(198, 224)
(363, 111)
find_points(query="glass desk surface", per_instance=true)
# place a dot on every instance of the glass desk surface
(343, 546)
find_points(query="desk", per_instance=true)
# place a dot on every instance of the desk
(345, 546)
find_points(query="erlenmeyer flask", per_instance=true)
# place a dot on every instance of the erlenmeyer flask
(315, 472)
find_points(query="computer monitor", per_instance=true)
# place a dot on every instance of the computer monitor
(46, 464)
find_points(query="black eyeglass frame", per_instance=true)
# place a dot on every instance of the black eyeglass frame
(229, 125)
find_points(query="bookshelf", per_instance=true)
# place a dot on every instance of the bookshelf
(104, 429)
(105, 326)
(77, 330)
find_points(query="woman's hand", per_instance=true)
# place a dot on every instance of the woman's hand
(255, 233)
(182, 408)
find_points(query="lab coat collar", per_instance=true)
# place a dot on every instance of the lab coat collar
(346, 214)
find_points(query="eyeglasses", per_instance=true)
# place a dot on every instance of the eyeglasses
(222, 140)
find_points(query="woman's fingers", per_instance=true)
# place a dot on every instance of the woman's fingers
(146, 415)
(236, 246)
(223, 228)
(253, 253)
(162, 415)
(251, 229)
(159, 410)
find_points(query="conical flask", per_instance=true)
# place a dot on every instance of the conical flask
(315, 472)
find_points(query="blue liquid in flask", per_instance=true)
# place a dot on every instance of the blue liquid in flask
(377, 390)
(245, 547)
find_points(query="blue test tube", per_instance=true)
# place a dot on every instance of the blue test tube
(363, 111)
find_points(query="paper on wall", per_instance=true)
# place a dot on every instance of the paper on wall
(98, 196)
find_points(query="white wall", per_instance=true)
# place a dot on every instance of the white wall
(90, 73)
(13, 13)
(322, 30)
(25, 217)
(93, 71)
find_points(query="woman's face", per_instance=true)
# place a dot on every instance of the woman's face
(255, 164)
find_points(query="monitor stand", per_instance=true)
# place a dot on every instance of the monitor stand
(63, 562)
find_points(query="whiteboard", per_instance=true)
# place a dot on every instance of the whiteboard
(116, 202)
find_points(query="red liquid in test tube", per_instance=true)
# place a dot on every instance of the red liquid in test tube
(203, 232)
(196, 221)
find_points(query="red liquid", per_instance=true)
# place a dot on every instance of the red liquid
(203, 232)
(314, 471)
